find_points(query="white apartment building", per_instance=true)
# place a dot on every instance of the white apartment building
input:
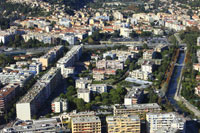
(82, 83)
(33, 100)
(125, 32)
(84, 94)
(118, 16)
(70, 38)
(69, 59)
(156, 121)
(110, 64)
(59, 105)
(15, 77)
(97, 88)
(148, 67)
(139, 74)
(36, 66)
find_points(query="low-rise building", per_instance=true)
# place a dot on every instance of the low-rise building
(136, 109)
(134, 96)
(59, 105)
(90, 124)
(84, 94)
(123, 124)
(156, 121)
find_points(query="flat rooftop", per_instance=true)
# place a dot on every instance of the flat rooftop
(89, 119)
(39, 86)
(138, 106)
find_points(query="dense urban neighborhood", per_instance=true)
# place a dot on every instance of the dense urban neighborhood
(102, 66)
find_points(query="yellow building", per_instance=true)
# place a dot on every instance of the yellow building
(123, 124)
(44, 61)
(90, 124)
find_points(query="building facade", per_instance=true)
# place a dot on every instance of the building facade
(91, 124)
(123, 124)
(156, 121)
(33, 100)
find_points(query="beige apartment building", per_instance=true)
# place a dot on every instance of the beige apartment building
(123, 124)
(91, 124)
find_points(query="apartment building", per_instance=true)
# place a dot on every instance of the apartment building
(85, 83)
(139, 74)
(82, 83)
(59, 105)
(15, 77)
(156, 121)
(7, 96)
(69, 59)
(51, 56)
(147, 67)
(35, 67)
(84, 94)
(90, 124)
(134, 96)
(97, 88)
(123, 124)
(149, 54)
(109, 64)
(125, 32)
(104, 71)
(98, 77)
(136, 109)
(118, 16)
(5, 36)
(33, 100)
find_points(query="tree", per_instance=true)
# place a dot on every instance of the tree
(108, 58)
(6, 117)
(80, 104)
(145, 46)
(105, 101)
(98, 98)
(128, 61)
(133, 34)
(90, 40)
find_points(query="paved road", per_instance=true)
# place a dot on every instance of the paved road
(26, 51)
